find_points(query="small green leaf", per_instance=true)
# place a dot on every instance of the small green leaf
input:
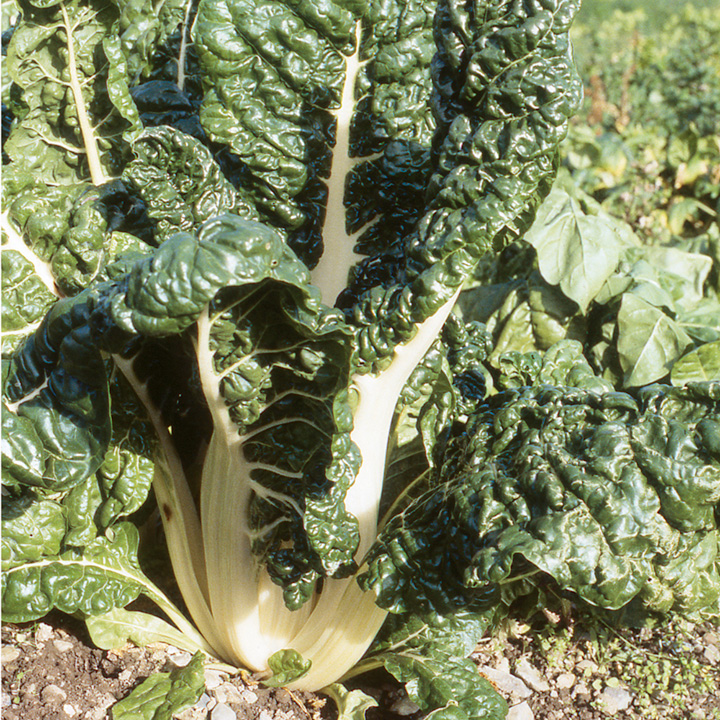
(286, 666)
(164, 694)
(351, 704)
(701, 364)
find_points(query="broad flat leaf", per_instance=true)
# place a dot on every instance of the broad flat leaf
(682, 274)
(649, 341)
(163, 695)
(118, 627)
(703, 363)
(576, 251)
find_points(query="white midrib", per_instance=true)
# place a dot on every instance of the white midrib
(15, 242)
(331, 273)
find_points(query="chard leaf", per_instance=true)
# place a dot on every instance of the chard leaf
(58, 138)
(143, 27)
(32, 529)
(163, 694)
(614, 498)
(428, 654)
(25, 298)
(103, 576)
(55, 424)
(703, 363)
(180, 182)
(576, 250)
(116, 628)
(649, 341)
(472, 193)
(286, 667)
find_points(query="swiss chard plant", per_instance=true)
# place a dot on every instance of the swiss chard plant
(234, 238)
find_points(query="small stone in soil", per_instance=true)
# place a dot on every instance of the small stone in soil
(180, 659)
(53, 695)
(522, 711)
(222, 712)
(614, 699)
(69, 710)
(565, 681)
(213, 679)
(506, 683)
(9, 654)
(404, 706)
(202, 703)
(43, 633)
(531, 675)
(227, 693)
(712, 654)
(248, 696)
(63, 645)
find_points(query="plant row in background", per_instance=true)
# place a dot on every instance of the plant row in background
(308, 271)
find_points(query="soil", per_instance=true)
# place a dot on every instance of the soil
(50, 671)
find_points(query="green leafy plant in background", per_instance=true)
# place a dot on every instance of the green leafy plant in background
(236, 249)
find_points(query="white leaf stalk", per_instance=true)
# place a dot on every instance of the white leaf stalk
(230, 596)
(97, 174)
(182, 57)
(14, 241)
(331, 272)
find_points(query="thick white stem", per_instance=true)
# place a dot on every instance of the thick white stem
(346, 619)
(236, 584)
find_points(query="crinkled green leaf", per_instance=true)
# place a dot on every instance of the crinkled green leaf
(143, 27)
(49, 139)
(701, 364)
(56, 426)
(286, 666)
(163, 694)
(102, 576)
(181, 183)
(613, 497)
(25, 299)
(428, 653)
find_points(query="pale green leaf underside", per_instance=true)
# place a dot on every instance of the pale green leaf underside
(575, 250)
(701, 364)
